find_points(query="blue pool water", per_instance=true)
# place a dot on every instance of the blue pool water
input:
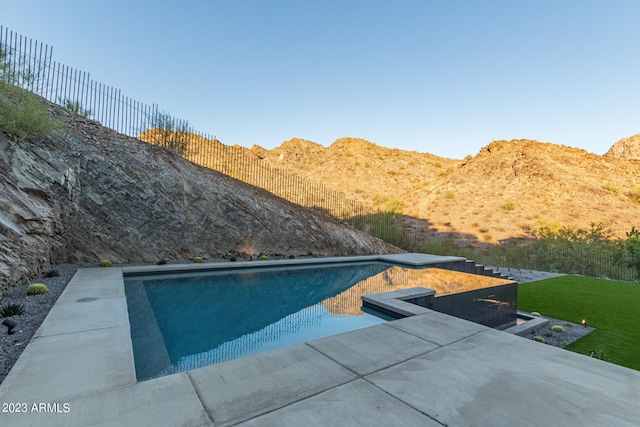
(183, 321)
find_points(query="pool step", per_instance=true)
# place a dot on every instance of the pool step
(470, 266)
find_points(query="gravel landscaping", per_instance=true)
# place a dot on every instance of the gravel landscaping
(572, 332)
(36, 308)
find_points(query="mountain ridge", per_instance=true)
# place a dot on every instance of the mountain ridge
(502, 193)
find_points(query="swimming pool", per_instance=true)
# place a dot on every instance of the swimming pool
(185, 320)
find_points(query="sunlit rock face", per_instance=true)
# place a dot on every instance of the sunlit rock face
(89, 193)
(626, 148)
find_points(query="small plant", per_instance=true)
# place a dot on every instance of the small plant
(450, 195)
(509, 206)
(105, 263)
(539, 339)
(292, 256)
(11, 309)
(232, 259)
(612, 188)
(263, 257)
(75, 107)
(394, 204)
(557, 328)
(161, 262)
(197, 259)
(314, 254)
(52, 273)
(37, 289)
(168, 132)
(535, 313)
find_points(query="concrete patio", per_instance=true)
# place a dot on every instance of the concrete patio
(428, 369)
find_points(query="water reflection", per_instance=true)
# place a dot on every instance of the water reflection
(444, 282)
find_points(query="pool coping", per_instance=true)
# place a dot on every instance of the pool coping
(409, 259)
(80, 364)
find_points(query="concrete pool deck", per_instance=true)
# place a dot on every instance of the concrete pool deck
(429, 369)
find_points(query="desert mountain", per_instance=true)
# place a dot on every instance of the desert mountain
(507, 190)
(375, 175)
(626, 148)
(89, 193)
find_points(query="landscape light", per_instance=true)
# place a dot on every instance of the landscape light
(584, 322)
(10, 324)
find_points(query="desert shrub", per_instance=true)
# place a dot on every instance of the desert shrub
(197, 259)
(105, 263)
(292, 256)
(161, 262)
(383, 225)
(509, 206)
(75, 107)
(52, 273)
(612, 188)
(535, 313)
(11, 309)
(635, 195)
(37, 289)
(539, 339)
(168, 132)
(263, 257)
(450, 195)
(232, 259)
(629, 251)
(314, 254)
(596, 234)
(22, 113)
(557, 328)
(394, 204)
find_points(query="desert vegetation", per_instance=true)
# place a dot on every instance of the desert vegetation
(588, 252)
(21, 111)
(37, 289)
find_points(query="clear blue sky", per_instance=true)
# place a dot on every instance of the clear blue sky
(444, 77)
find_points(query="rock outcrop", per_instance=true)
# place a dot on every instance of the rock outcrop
(626, 148)
(89, 193)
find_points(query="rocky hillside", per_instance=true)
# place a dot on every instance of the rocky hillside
(507, 190)
(378, 176)
(89, 193)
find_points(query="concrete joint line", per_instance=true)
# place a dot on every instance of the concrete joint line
(406, 403)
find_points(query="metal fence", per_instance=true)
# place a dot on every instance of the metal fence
(29, 64)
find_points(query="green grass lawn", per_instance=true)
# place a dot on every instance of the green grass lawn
(612, 307)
